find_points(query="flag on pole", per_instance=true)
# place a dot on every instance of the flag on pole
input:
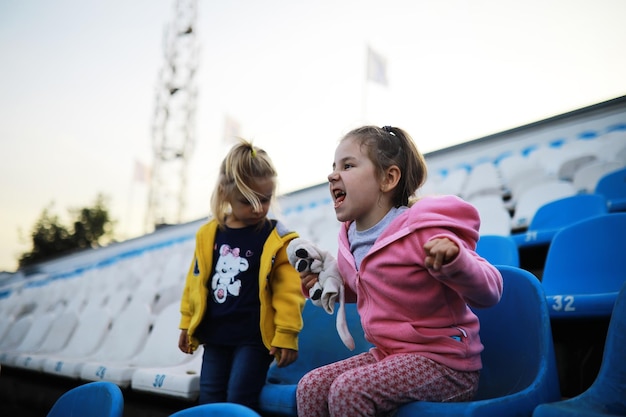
(376, 67)
(232, 129)
(141, 172)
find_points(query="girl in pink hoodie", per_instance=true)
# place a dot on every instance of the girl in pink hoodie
(412, 269)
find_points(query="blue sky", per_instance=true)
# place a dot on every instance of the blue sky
(78, 82)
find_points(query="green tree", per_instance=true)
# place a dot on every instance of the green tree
(92, 227)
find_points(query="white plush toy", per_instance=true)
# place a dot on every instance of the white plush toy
(305, 256)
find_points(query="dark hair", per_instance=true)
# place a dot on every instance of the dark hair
(243, 164)
(389, 146)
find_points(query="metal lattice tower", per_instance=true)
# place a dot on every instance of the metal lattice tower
(173, 125)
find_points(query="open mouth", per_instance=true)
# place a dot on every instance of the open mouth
(339, 196)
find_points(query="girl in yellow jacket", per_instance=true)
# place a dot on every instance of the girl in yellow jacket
(242, 299)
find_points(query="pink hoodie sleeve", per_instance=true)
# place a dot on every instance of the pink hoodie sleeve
(476, 280)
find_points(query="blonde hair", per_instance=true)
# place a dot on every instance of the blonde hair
(389, 146)
(243, 164)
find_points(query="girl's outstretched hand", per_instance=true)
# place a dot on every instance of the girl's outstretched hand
(284, 356)
(439, 252)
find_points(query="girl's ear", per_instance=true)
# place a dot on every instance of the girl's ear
(390, 179)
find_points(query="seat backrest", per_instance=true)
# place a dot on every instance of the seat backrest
(37, 332)
(158, 349)
(568, 210)
(494, 216)
(127, 335)
(533, 198)
(517, 337)
(613, 187)
(511, 166)
(60, 332)
(94, 399)
(483, 179)
(611, 379)
(165, 296)
(92, 328)
(175, 269)
(453, 182)
(587, 177)
(16, 333)
(6, 321)
(118, 301)
(217, 410)
(587, 257)
(498, 250)
(569, 166)
(319, 343)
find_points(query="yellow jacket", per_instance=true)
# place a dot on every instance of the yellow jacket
(280, 290)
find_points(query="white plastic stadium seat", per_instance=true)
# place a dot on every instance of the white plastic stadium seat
(453, 182)
(181, 381)
(15, 334)
(483, 179)
(494, 216)
(87, 338)
(32, 339)
(57, 338)
(160, 349)
(126, 337)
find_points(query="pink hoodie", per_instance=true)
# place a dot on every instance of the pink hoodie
(404, 306)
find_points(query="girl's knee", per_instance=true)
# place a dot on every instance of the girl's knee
(306, 382)
(347, 397)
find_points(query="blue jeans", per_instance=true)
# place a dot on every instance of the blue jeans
(234, 374)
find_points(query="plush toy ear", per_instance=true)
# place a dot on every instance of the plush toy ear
(317, 294)
(292, 248)
(301, 265)
(302, 253)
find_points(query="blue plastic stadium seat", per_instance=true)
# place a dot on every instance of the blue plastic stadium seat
(94, 399)
(607, 394)
(553, 216)
(613, 187)
(536, 196)
(319, 344)
(519, 366)
(498, 250)
(586, 267)
(217, 410)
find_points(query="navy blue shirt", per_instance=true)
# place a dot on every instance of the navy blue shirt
(233, 307)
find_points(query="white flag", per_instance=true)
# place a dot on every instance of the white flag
(232, 130)
(376, 67)
(141, 172)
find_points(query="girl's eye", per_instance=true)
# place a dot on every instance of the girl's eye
(347, 166)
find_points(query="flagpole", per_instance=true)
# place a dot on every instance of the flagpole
(365, 80)
(129, 206)
(364, 102)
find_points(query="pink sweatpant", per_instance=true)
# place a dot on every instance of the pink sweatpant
(361, 386)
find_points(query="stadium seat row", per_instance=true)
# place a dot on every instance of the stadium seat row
(516, 327)
(521, 183)
(136, 347)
